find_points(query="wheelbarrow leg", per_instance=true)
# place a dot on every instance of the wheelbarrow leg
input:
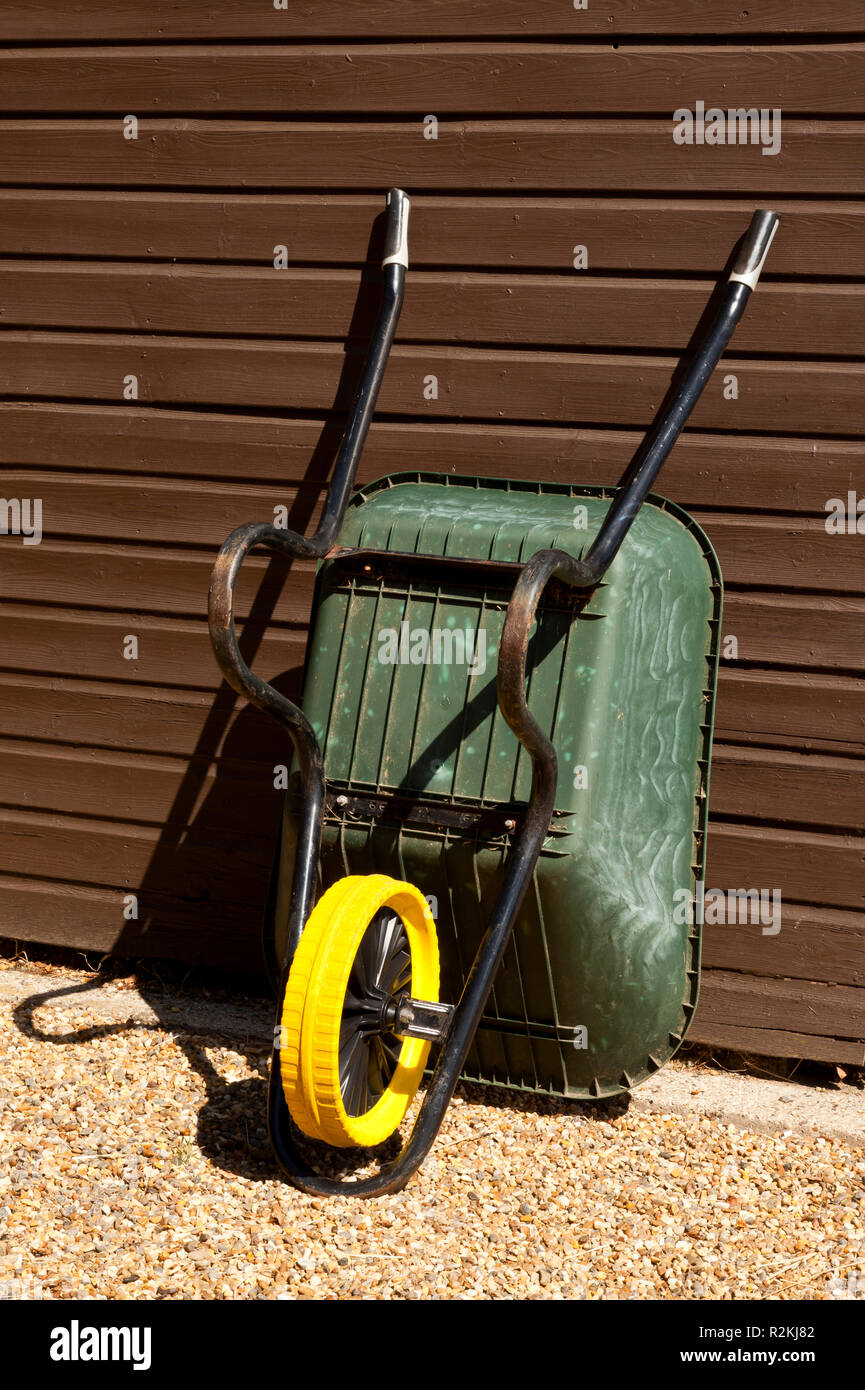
(468, 1012)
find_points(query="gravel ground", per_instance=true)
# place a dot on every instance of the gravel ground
(134, 1164)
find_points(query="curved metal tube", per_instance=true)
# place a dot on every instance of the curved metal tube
(519, 867)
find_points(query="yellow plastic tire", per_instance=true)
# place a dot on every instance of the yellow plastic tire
(312, 1011)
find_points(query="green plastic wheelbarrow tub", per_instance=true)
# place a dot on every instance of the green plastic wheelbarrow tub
(600, 981)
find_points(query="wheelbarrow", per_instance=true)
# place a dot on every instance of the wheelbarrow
(499, 788)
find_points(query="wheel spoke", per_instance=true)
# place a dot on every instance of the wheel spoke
(359, 979)
(359, 1089)
(392, 1048)
(369, 949)
(368, 1059)
(401, 977)
(378, 1068)
(353, 1063)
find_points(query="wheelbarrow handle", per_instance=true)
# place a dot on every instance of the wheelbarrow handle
(681, 399)
(396, 236)
(223, 580)
(754, 249)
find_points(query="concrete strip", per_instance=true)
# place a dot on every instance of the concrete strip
(754, 1102)
(681, 1088)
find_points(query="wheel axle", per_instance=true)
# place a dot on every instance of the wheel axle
(416, 1018)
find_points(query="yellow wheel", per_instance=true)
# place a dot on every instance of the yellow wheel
(347, 1079)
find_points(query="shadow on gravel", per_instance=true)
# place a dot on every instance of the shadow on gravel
(232, 1132)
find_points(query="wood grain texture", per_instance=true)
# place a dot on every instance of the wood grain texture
(785, 787)
(526, 232)
(92, 21)
(567, 310)
(775, 1042)
(704, 470)
(447, 78)
(603, 155)
(813, 944)
(761, 706)
(809, 867)
(729, 998)
(474, 383)
(797, 630)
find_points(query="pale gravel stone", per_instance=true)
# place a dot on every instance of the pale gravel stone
(121, 1177)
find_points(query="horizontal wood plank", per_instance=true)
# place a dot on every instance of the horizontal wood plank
(708, 470)
(92, 919)
(211, 866)
(149, 579)
(805, 789)
(736, 1000)
(141, 788)
(815, 156)
(554, 387)
(754, 550)
(812, 944)
(775, 1042)
(797, 630)
(67, 680)
(756, 706)
(56, 647)
(138, 718)
(99, 852)
(685, 235)
(572, 311)
(812, 868)
(172, 652)
(94, 20)
(447, 78)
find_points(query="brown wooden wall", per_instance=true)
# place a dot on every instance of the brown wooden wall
(154, 258)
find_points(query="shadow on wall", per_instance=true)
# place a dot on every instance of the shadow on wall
(203, 894)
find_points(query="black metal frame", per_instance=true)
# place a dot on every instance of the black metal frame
(543, 567)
